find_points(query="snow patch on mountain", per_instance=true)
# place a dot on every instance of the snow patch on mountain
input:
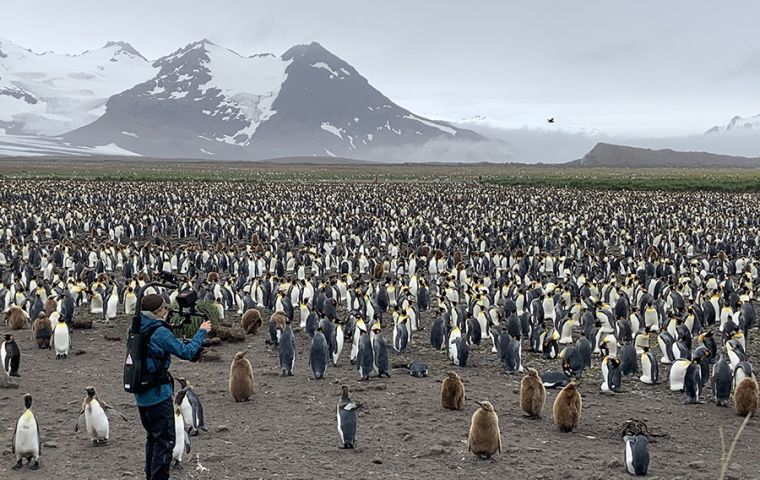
(443, 128)
(332, 129)
(64, 92)
(340, 74)
(738, 125)
(250, 83)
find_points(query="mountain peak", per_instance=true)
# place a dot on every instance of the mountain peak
(313, 50)
(124, 47)
(738, 124)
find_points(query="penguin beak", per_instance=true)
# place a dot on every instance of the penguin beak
(478, 403)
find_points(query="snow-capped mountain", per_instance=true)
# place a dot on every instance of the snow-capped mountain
(208, 101)
(203, 101)
(738, 124)
(50, 94)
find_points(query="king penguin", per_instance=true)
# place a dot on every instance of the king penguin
(485, 436)
(319, 355)
(365, 358)
(94, 416)
(346, 413)
(130, 301)
(181, 438)
(61, 339)
(26, 442)
(10, 356)
(722, 382)
(692, 384)
(636, 454)
(438, 333)
(400, 336)
(287, 351)
(381, 352)
(650, 373)
(532, 394)
(611, 374)
(192, 409)
(678, 374)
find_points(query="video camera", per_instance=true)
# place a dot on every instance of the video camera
(186, 308)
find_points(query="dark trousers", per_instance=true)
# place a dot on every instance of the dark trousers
(158, 422)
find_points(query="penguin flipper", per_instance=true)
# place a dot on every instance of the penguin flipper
(80, 421)
(107, 407)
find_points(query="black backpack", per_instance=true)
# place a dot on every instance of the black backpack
(137, 379)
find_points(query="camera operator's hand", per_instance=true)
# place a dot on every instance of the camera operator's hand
(205, 326)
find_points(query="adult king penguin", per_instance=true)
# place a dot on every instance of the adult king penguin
(346, 415)
(26, 442)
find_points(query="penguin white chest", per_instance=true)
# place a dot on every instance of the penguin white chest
(96, 420)
(179, 437)
(61, 339)
(629, 459)
(187, 413)
(26, 442)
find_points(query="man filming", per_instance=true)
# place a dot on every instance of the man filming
(156, 404)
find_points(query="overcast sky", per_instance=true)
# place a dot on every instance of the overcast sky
(619, 67)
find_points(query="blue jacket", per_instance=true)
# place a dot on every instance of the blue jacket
(163, 344)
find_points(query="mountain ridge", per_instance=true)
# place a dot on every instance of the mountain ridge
(207, 101)
(611, 155)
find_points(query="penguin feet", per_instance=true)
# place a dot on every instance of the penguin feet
(485, 458)
(16, 466)
(35, 466)
(177, 465)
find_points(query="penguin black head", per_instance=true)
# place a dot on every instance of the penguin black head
(90, 391)
(8, 337)
(28, 400)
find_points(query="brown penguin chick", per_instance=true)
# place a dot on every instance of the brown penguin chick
(212, 277)
(378, 271)
(50, 306)
(241, 378)
(485, 436)
(452, 392)
(745, 397)
(251, 321)
(567, 408)
(43, 330)
(279, 319)
(532, 394)
(16, 318)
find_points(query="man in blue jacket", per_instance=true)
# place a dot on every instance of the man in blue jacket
(156, 404)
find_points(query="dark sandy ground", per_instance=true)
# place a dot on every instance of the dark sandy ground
(288, 429)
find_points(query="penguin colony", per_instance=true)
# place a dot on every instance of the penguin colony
(633, 284)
